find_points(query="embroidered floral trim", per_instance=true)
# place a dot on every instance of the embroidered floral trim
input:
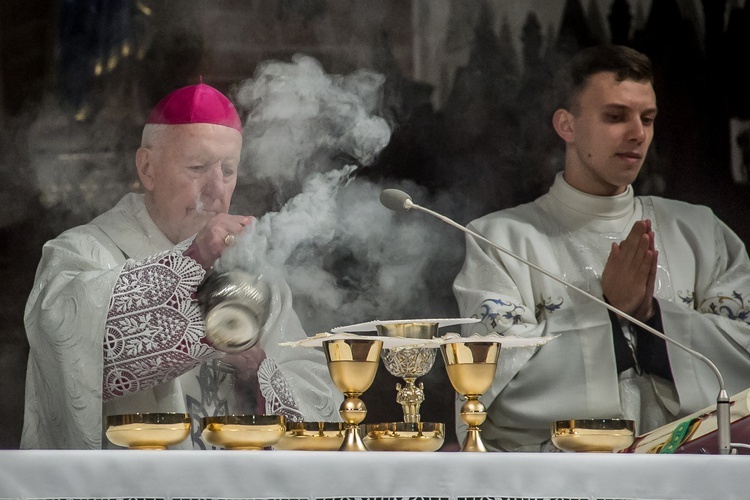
(154, 328)
(499, 315)
(277, 392)
(732, 306)
(547, 305)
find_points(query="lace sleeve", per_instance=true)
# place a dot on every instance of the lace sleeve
(277, 393)
(154, 329)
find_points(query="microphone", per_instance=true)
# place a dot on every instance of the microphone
(397, 200)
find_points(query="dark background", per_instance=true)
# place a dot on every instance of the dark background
(465, 94)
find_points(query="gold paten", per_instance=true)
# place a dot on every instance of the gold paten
(148, 431)
(352, 364)
(471, 369)
(602, 435)
(312, 436)
(409, 363)
(243, 432)
(404, 436)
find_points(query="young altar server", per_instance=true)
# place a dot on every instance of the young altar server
(669, 264)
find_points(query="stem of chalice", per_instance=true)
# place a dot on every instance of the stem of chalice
(410, 397)
(473, 414)
(471, 367)
(352, 364)
(409, 363)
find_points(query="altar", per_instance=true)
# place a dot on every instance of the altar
(282, 475)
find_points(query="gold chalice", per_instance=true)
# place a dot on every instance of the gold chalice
(409, 363)
(471, 369)
(148, 431)
(352, 364)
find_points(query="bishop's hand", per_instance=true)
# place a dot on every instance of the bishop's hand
(215, 237)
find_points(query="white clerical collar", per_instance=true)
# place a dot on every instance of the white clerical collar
(604, 207)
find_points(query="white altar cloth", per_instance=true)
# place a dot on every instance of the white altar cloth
(171, 474)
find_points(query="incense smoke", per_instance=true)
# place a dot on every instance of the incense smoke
(346, 258)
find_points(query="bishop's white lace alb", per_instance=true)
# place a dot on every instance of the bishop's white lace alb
(155, 329)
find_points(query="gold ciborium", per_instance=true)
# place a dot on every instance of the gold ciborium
(471, 369)
(352, 364)
(409, 363)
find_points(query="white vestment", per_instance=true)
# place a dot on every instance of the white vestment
(114, 327)
(702, 288)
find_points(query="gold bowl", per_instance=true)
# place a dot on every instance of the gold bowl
(312, 436)
(404, 436)
(603, 435)
(243, 432)
(147, 431)
(409, 329)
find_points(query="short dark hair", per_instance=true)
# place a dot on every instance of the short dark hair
(624, 62)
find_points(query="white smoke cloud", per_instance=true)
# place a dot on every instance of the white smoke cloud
(346, 258)
(300, 118)
(308, 219)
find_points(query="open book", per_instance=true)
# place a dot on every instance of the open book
(696, 433)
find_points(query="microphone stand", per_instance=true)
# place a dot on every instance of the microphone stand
(395, 199)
